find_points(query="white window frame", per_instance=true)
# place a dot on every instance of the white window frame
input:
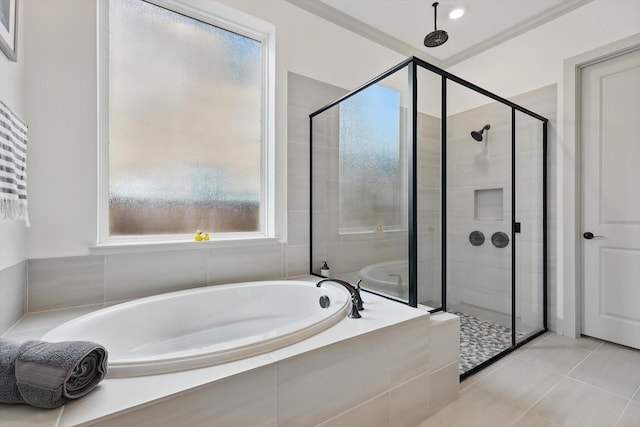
(226, 18)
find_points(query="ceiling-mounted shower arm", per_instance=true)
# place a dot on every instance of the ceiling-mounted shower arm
(436, 37)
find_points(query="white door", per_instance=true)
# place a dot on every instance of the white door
(610, 147)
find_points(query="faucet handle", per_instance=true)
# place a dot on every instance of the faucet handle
(354, 307)
(360, 304)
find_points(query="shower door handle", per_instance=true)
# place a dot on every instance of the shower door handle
(589, 235)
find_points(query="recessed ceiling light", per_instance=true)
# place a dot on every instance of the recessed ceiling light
(456, 13)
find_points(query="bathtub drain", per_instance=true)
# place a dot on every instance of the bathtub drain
(325, 302)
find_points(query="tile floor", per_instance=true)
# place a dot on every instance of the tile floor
(553, 381)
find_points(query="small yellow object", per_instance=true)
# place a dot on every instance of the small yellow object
(198, 236)
(206, 236)
(378, 229)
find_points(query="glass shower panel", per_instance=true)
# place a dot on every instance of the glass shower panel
(529, 216)
(429, 188)
(479, 220)
(359, 179)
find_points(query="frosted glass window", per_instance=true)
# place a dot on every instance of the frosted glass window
(369, 166)
(185, 124)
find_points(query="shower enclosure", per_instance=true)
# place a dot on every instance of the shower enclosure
(429, 190)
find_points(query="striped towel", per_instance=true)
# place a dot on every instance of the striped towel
(13, 166)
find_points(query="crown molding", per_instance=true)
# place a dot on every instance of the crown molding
(348, 22)
(515, 31)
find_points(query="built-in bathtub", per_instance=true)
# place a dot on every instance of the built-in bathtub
(206, 326)
(394, 366)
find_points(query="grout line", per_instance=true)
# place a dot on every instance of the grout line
(626, 406)
(49, 327)
(276, 364)
(578, 364)
(562, 377)
(4, 334)
(637, 393)
(566, 376)
(208, 255)
(25, 306)
(599, 388)
(59, 419)
(104, 280)
(536, 402)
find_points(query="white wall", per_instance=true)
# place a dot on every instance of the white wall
(12, 233)
(61, 100)
(537, 59)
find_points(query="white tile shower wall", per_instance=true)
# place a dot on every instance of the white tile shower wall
(481, 276)
(304, 96)
(13, 294)
(429, 210)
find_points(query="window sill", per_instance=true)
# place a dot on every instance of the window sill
(356, 231)
(122, 247)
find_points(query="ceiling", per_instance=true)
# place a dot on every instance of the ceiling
(401, 25)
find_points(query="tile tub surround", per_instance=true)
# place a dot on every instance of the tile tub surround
(65, 282)
(13, 294)
(384, 368)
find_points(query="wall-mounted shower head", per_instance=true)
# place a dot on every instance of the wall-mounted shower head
(477, 134)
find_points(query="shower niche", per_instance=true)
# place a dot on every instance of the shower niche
(403, 170)
(488, 204)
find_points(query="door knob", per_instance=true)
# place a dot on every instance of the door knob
(589, 235)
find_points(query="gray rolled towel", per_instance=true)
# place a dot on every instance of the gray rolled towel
(9, 392)
(48, 375)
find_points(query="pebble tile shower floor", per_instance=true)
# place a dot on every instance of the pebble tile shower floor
(480, 340)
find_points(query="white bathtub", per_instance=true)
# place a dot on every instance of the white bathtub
(206, 326)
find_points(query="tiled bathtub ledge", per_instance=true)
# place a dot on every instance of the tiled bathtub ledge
(386, 356)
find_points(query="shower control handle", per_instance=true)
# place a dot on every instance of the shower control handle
(589, 235)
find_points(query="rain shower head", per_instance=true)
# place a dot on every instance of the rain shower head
(436, 37)
(477, 134)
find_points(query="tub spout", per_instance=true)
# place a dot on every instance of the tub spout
(356, 300)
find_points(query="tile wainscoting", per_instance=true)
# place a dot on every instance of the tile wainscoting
(56, 283)
(13, 294)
